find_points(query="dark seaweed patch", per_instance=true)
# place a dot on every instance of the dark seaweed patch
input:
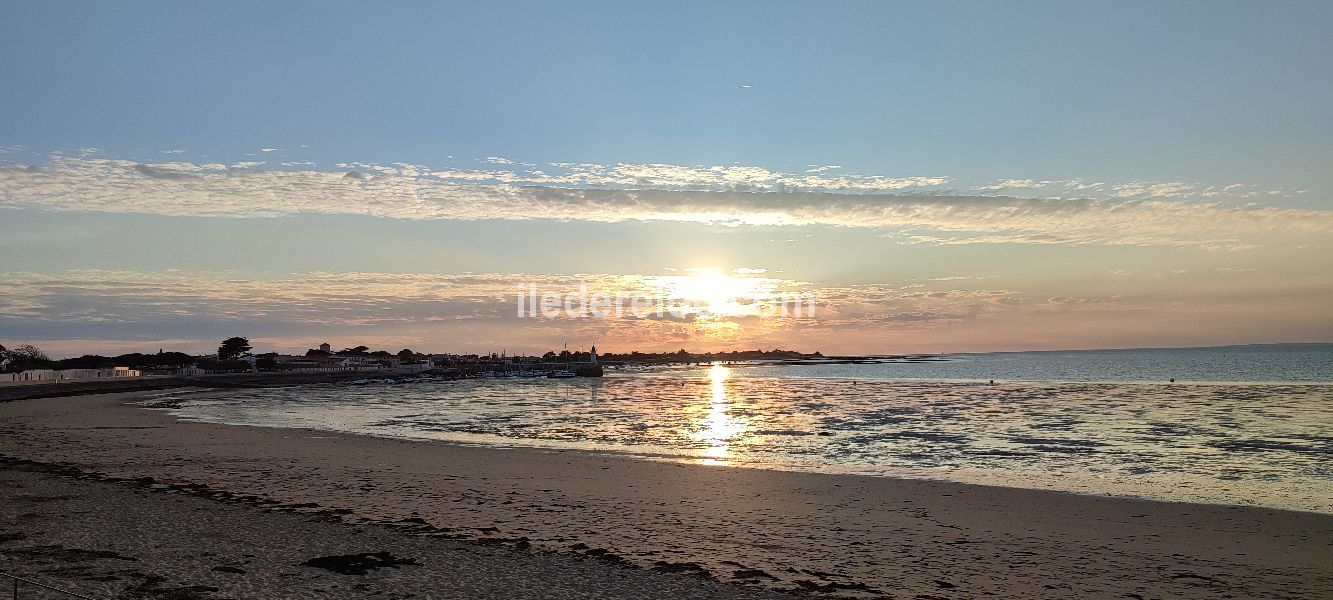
(357, 564)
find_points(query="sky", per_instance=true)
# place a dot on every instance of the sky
(928, 176)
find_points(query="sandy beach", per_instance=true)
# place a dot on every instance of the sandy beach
(119, 539)
(536, 515)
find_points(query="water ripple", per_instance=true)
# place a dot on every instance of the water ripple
(1264, 444)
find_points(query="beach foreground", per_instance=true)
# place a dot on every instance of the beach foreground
(799, 532)
(120, 540)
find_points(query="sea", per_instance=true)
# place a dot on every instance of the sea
(1242, 425)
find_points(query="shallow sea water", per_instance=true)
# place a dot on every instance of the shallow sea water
(1267, 444)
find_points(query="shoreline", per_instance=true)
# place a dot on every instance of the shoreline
(32, 390)
(849, 534)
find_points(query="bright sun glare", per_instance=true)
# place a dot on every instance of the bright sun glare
(713, 292)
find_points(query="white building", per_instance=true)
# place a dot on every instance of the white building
(36, 375)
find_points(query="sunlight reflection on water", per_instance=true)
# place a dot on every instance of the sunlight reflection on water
(717, 428)
(1265, 444)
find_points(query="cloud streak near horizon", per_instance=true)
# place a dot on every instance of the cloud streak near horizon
(909, 210)
(126, 310)
(170, 305)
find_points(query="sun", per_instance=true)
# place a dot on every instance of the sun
(711, 291)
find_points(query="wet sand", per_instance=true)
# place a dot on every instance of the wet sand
(800, 532)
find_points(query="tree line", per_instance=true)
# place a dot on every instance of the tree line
(233, 349)
(27, 356)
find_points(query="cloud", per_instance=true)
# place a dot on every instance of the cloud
(117, 303)
(1161, 189)
(1134, 189)
(729, 178)
(1013, 184)
(111, 311)
(89, 304)
(157, 172)
(409, 192)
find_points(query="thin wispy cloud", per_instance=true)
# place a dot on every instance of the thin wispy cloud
(1133, 189)
(241, 190)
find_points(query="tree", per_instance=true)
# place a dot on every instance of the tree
(28, 353)
(171, 360)
(232, 348)
(25, 356)
(407, 357)
(357, 351)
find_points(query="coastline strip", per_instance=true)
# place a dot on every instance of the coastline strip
(799, 532)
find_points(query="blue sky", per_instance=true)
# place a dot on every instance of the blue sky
(1200, 91)
(223, 132)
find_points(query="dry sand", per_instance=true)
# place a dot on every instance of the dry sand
(819, 534)
(121, 540)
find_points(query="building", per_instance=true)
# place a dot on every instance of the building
(38, 375)
(322, 364)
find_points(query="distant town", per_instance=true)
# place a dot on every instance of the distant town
(28, 363)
